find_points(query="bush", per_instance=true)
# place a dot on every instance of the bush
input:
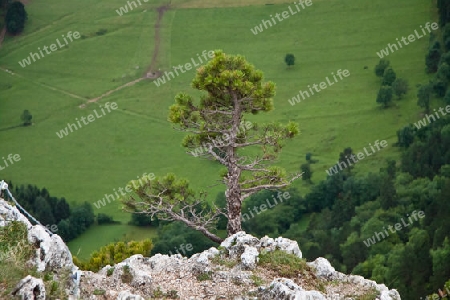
(105, 219)
(381, 66)
(114, 253)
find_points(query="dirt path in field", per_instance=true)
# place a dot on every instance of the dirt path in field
(150, 73)
(43, 85)
(161, 10)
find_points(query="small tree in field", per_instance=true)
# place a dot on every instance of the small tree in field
(381, 66)
(400, 87)
(289, 59)
(233, 89)
(385, 95)
(306, 172)
(389, 76)
(26, 117)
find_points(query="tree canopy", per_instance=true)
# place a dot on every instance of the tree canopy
(15, 17)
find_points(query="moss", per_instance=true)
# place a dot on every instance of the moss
(285, 264)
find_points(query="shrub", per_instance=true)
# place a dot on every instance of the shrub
(105, 219)
(114, 253)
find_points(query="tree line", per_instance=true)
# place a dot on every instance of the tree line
(48, 210)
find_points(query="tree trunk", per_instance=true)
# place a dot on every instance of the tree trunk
(233, 196)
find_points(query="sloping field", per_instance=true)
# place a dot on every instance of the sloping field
(136, 138)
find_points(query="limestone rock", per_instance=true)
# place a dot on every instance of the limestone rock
(30, 288)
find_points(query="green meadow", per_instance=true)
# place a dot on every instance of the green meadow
(137, 138)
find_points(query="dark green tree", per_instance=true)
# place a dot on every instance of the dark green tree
(444, 12)
(389, 77)
(381, 67)
(447, 97)
(4, 3)
(307, 173)
(140, 219)
(62, 210)
(289, 59)
(385, 96)
(443, 72)
(423, 97)
(400, 87)
(26, 117)
(64, 231)
(15, 17)
(405, 136)
(173, 235)
(433, 56)
(43, 211)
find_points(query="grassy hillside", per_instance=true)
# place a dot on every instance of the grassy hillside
(137, 138)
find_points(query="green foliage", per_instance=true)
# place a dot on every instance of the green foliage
(110, 271)
(101, 31)
(204, 276)
(307, 173)
(257, 281)
(400, 87)
(284, 264)
(443, 72)
(99, 292)
(289, 59)
(221, 202)
(405, 136)
(440, 258)
(423, 97)
(172, 235)
(433, 56)
(172, 294)
(385, 95)
(278, 217)
(412, 260)
(439, 86)
(389, 77)
(138, 219)
(444, 11)
(224, 261)
(26, 118)
(54, 211)
(105, 219)
(15, 17)
(114, 253)
(15, 252)
(381, 67)
(372, 295)
(447, 97)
